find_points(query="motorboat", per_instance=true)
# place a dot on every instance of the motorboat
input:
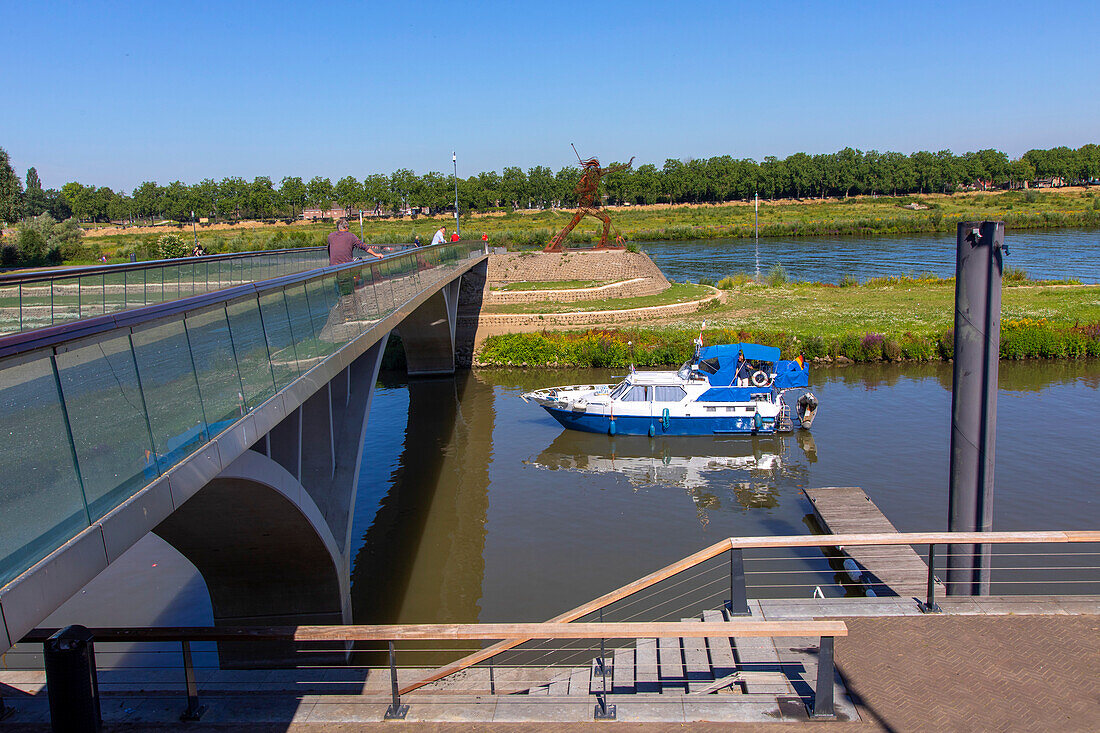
(726, 389)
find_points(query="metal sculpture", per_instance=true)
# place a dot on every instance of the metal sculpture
(586, 203)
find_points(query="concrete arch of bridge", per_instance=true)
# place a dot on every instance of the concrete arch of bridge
(266, 553)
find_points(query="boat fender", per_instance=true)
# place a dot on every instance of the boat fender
(652, 432)
(757, 421)
(666, 420)
(855, 572)
(611, 427)
(759, 379)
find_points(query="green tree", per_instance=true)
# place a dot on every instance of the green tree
(262, 197)
(293, 194)
(513, 185)
(147, 200)
(648, 183)
(34, 198)
(319, 193)
(233, 193)
(540, 181)
(376, 193)
(11, 190)
(348, 192)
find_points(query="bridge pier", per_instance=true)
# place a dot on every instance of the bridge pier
(428, 334)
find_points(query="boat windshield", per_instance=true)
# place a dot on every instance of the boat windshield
(619, 390)
(684, 372)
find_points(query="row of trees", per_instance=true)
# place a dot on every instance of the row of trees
(722, 178)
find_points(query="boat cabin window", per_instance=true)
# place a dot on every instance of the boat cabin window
(637, 393)
(673, 393)
(710, 366)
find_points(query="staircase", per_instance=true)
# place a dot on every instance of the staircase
(679, 666)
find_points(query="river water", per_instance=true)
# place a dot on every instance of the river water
(1044, 254)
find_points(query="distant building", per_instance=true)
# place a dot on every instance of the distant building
(1055, 182)
(333, 213)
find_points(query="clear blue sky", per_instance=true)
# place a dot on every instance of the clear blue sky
(118, 93)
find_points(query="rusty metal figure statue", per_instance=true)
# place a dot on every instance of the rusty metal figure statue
(586, 203)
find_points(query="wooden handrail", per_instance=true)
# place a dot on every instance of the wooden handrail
(730, 543)
(427, 632)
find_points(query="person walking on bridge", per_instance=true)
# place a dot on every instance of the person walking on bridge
(342, 243)
(440, 236)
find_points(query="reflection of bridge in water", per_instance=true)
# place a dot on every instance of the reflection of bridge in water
(229, 422)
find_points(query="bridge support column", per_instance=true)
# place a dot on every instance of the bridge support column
(428, 334)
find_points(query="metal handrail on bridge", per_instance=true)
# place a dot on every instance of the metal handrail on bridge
(43, 298)
(99, 408)
(738, 603)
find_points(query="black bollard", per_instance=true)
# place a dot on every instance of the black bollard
(978, 272)
(71, 681)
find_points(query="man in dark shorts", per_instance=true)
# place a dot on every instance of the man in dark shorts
(341, 244)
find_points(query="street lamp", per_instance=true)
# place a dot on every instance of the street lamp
(454, 161)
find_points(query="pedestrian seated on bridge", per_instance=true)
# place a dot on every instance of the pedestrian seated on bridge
(342, 243)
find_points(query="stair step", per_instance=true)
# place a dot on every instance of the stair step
(623, 667)
(696, 661)
(646, 678)
(721, 651)
(671, 665)
(756, 655)
(578, 681)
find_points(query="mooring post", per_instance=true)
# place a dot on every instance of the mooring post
(739, 596)
(71, 681)
(979, 263)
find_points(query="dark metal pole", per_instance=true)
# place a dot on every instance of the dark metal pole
(974, 400)
(739, 597)
(71, 681)
(396, 711)
(823, 695)
(194, 711)
(929, 604)
(603, 711)
(5, 710)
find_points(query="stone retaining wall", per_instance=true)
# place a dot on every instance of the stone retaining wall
(633, 288)
(592, 317)
(605, 265)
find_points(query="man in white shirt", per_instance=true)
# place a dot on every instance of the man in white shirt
(440, 236)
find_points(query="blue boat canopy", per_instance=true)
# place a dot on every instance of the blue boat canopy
(755, 352)
(790, 374)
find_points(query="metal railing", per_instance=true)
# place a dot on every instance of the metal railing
(691, 592)
(97, 409)
(820, 704)
(38, 299)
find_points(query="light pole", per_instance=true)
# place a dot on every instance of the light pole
(454, 162)
(194, 229)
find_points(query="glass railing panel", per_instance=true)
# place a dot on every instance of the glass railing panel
(301, 326)
(171, 390)
(66, 297)
(114, 291)
(250, 348)
(34, 299)
(41, 504)
(107, 417)
(321, 295)
(10, 315)
(135, 288)
(280, 342)
(91, 295)
(215, 368)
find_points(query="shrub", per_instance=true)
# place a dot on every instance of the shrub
(1014, 275)
(706, 281)
(9, 255)
(777, 275)
(31, 245)
(732, 281)
(1031, 196)
(871, 347)
(849, 281)
(945, 344)
(170, 246)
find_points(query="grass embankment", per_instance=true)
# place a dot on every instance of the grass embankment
(863, 215)
(676, 293)
(887, 319)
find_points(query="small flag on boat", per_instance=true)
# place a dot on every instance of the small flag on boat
(801, 361)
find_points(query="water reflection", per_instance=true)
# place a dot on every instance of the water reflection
(738, 471)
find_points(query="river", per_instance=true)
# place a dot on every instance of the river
(1044, 254)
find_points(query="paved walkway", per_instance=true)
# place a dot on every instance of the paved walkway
(934, 673)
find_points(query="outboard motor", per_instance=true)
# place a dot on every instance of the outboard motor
(807, 409)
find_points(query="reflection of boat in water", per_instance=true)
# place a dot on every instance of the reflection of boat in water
(727, 389)
(675, 461)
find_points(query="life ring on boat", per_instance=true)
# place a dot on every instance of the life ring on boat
(759, 379)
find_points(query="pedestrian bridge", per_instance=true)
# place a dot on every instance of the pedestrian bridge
(220, 402)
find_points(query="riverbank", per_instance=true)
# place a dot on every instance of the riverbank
(890, 319)
(861, 215)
